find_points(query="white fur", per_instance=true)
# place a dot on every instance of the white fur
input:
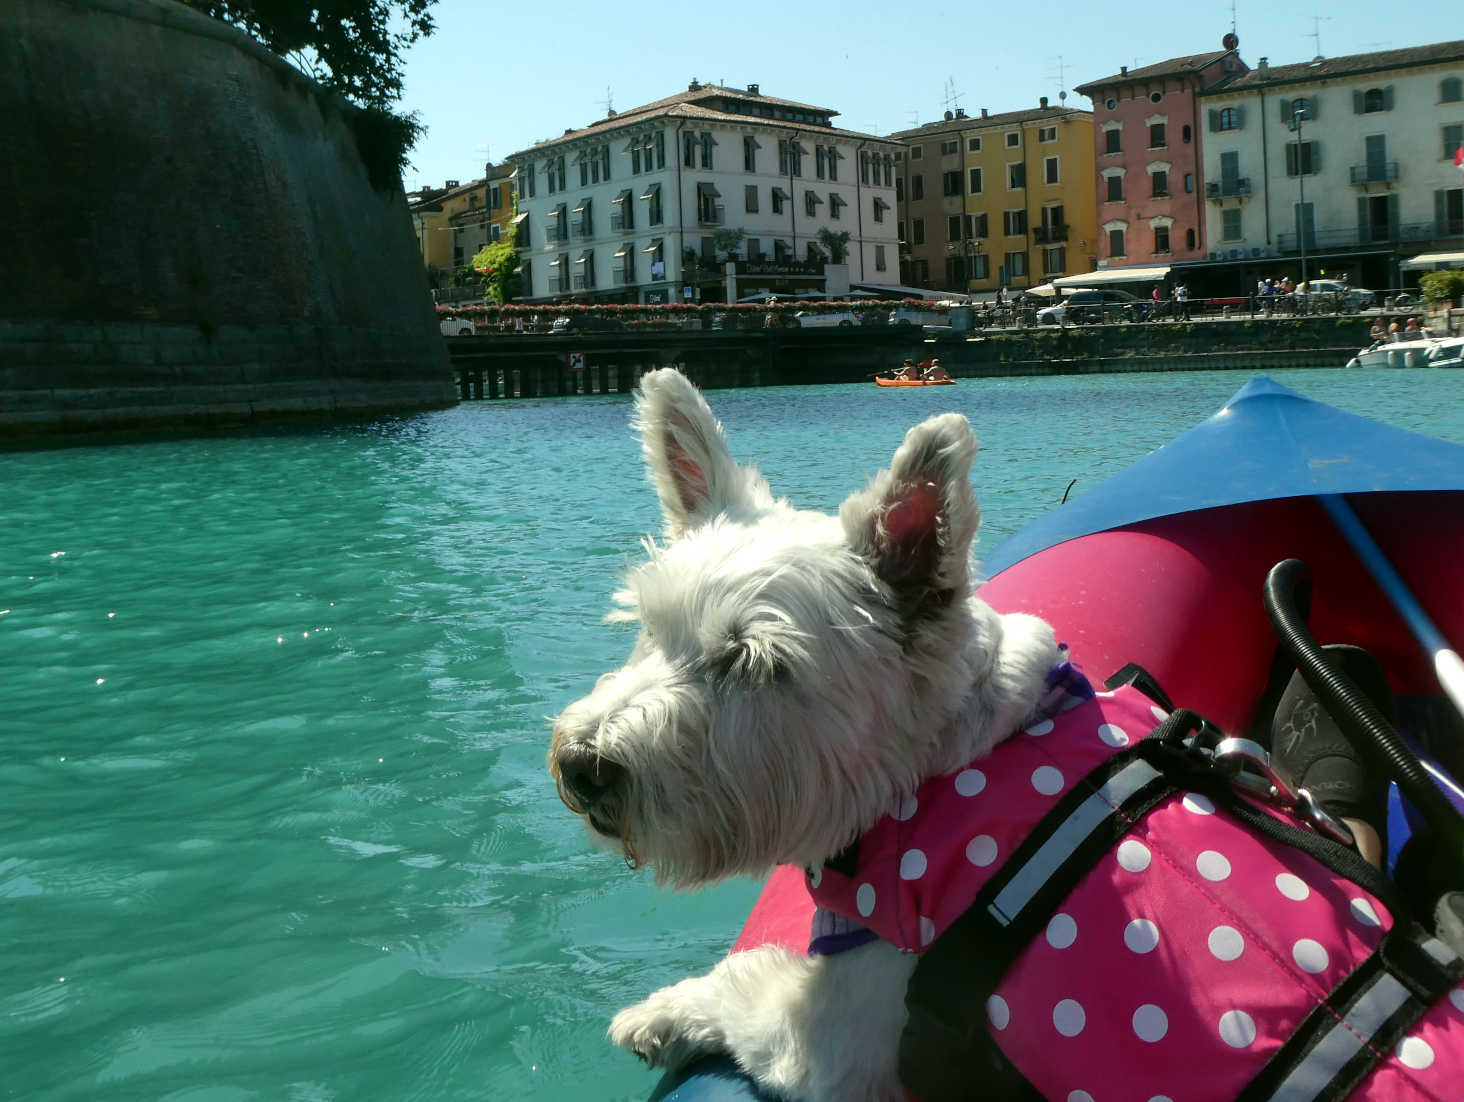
(796, 674)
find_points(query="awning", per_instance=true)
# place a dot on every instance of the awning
(1104, 276)
(517, 219)
(555, 213)
(880, 204)
(590, 256)
(652, 191)
(812, 197)
(837, 200)
(752, 142)
(709, 189)
(654, 246)
(781, 194)
(584, 205)
(556, 262)
(624, 196)
(626, 249)
(1429, 261)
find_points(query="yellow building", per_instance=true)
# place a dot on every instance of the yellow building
(999, 200)
(455, 221)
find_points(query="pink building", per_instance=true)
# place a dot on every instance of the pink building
(1149, 167)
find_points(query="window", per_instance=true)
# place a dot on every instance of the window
(833, 162)
(950, 147)
(652, 197)
(1453, 139)
(951, 183)
(1189, 183)
(1450, 90)
(790, 158)
(1230, 224)
(864, 167)
(781, 250)
(955, 270)
(899, 189)
(656, 252)
(708, 210)
(975, 175)
(749, 192)
(917, 153)
(836, 204)
(1110, 103)
(1115, 189)
(526, 272)
(953, 228)
(1049, 170)
(749, 155)
(554, 171)
(1376, 99)
(1303, 107)
(917, 187)
(973, 145)
(495, 197)
(821, 161)
(688, 150)
(1161, 239)
(1186, 134)
(585, 227)
(776, 197)
(889, 169)
(1228, 118)
(811, 200)
(1302, 158)
(626, 255)
(879, 258)
(708, 143)
(1159, 184)
(1449, 211)
(1016, 176)
(917, 231)
(880, 206)
(1054, 261)
(1014, 223)
(1047, 134)
(494, 232)
(1189, 238)
(1013, 139)
(585, 278)
(981, 266)
(1016, 264)
(977, 225)
(1156, 136)
(1113, 141)
(1115, 243)
(753, 248)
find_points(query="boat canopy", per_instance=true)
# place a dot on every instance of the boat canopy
(1266, 442)
(1430, 261)
(1104, 276)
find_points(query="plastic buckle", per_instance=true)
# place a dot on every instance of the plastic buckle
(1248, 766)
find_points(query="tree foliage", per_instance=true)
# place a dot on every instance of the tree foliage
(353, 47)
(498, 263)
(837, 244)
(1442, 286)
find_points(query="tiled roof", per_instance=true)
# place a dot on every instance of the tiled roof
(976, 122)
(689, 105)
(1175, 66)
(1324, 67)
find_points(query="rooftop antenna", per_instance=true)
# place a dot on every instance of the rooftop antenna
(914, 119)
(1232, 19)
(1316, 34)
(1061, 80)
(952, 97)
(608, 101)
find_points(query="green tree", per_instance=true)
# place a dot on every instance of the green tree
(727, 240)
(835, 244)
(498, 263)
(353, 47)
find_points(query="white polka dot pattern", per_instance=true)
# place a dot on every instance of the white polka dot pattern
(1079, 1096)
(970, 782)
(864, 900)
(1226, 943)
(927, 931)
(1213, 866)
(1047, 780)
(906, 811)
(1150, 1023)
(1415, 1053)
(1062, 931)
(1068, 1018)
(1113, 735)
(1037, 730)
(1133, 856)
(1364, 912)
(981, 850)
(1456, 997)
(1237, 1029)
(912, 865)
(1310, 956)
(998, 1013)
(1141, 936)
(1292, 887)
(1197, 803)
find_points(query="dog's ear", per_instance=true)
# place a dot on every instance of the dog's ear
(686, 454)
(915, 522)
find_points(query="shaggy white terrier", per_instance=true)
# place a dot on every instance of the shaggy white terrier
(796, 676)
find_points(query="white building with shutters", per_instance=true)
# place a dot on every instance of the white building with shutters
(1348, 161)
(644, 205)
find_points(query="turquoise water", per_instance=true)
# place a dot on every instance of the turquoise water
(274, 820)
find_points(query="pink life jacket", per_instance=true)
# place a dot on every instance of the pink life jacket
(1181, 962)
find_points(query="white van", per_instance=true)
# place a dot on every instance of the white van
(453, 326)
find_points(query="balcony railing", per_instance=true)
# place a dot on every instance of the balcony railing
(1355, 238)
(583, 283)
(1044, 235)
(624, 277)
(555, 234)
(1239, 188)
(1379, 172)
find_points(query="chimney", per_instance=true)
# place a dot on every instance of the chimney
(984, 113)
(1123, 70)
(1043, 101)
(1263, 69)
(450, 184)
(949, 116)
(752, 90)
(694, 86)
(960, 112)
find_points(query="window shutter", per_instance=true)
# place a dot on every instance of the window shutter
(1363, 233)
(1239, 118)
(1441, 213)
(1313, 108)
(1393, 216)
(1316, 156)
(1388, 97)
(1286, 111)
(1357, 101)
(1214, 120)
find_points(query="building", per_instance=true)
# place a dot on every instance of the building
(1001, 200)
(1346, 163)
(1148, 158)
(651, 204)
(454, 222)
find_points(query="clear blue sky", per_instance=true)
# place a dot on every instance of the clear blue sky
(494, 79)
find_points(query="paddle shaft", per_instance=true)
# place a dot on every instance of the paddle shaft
(1448, 667)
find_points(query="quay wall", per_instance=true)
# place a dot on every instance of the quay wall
(196, 233)
(516, 365)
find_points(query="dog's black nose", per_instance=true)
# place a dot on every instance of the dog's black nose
(587, 774)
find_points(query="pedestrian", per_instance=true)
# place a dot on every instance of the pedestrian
(1154, 297)
(1000, 297)
(1181, 298)
(1269, 295)
(1410, 331)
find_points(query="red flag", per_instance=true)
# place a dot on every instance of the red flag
(1459, 159)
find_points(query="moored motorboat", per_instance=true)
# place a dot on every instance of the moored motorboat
(1418, 352)
(1164, 565)
(1448, 352)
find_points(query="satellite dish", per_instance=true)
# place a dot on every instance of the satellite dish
(1230, 41)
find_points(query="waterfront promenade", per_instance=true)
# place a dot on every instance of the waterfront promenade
(534, 365)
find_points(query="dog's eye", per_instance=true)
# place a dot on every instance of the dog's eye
(745, 661)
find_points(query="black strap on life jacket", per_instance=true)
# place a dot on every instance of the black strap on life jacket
(947, 1053)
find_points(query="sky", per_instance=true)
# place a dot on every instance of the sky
(495, 79)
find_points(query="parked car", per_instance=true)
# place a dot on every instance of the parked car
(586, 323)
(809, 319)
(918, 315)
(1094, 307)
(1331, 293)
(454, 326)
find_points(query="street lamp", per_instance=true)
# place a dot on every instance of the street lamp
(1298, 112)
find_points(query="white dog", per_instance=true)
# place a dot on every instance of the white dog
(796, 676)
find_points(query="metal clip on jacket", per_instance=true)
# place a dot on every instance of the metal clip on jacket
(1249, 769)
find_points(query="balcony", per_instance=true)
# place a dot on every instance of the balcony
(584, 283)
(1378, 172)
(1046, 235)
(1239, 188)
(1372, 237)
